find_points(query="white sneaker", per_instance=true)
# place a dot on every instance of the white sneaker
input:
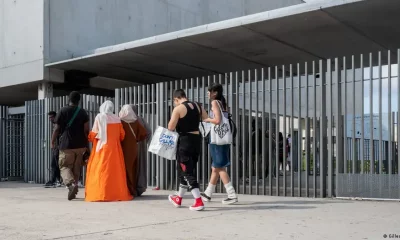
(229, 201)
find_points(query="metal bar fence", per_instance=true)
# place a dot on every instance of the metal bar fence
(342, 139)
(11, 145)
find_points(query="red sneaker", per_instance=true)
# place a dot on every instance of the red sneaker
(176, 200)
(198, 205)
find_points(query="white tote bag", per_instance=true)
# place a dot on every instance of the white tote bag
(164, 143)
(221, 134)
(204, 128)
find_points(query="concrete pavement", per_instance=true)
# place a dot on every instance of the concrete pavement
(31, 212)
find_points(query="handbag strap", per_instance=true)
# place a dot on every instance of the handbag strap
(220, 109)
(133, 132)
(73, 117)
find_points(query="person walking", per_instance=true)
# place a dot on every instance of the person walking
(142, 155)
(106, 174)
(219, 153)
(134, 133)
(185, 119)
(72, 125)
(55, 176)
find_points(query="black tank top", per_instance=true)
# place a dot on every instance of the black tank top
(190, 122)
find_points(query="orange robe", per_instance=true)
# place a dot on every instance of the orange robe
(105, 175)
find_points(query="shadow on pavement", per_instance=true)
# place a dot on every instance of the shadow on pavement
(237, 207)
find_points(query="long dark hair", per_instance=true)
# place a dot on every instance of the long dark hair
(218, 89)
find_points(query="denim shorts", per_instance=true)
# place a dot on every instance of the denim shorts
(220, 155)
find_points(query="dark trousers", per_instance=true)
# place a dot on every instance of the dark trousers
(188, 151)
(55, 169)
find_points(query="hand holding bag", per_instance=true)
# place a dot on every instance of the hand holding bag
(164, 143)
(221, 134)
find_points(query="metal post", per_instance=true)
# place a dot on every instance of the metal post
(315, 121)
(277, 128)
(270, 150)
(323, 131)
(300, 137)
(244, 147)
(263, 152)
(291, 132)
(307, 142)
(362, 115)
(284, 130)
(353, 122)
(371, 117)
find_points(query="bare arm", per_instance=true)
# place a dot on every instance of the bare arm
(55, 135)
(204, 114)
(86, 128)
(217, 114)
(174, 119)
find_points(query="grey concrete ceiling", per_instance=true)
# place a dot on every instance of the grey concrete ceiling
(305, 32)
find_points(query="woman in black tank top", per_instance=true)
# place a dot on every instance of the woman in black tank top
(190, 122)
(188, 148)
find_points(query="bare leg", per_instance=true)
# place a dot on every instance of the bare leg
(214, 176)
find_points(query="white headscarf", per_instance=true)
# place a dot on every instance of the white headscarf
(100, 124)
(127, 114)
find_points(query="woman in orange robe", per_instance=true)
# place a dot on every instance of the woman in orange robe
(105, 175)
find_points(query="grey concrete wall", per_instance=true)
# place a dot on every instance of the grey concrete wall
(21, 41)
(76, 26)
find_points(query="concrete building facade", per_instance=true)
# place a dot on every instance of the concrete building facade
(39, 32)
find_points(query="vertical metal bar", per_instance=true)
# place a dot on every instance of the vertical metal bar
(291, 131)
(315, 121)
(277, 128)
(330, 123)
(284, 129)
(148, 155)
(117, 100)
(343, 164)
(270, 150)
(398, 110)
(371, 117)
(353, 120)
(153, 114)
(237, 119)
(250, 163)
(130, 90)
(339, 154)
(263, 143)
(300, 135)
(307, 142)
(231, 85)
(323, 131)
(197, 100)
(362, 114)
(244, 147)
(208, 147)
(380, 114)
(126, 99)
(257, 155)
(202, 86)
(172, 165)
(390, 149)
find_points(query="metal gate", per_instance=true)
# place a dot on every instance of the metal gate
(38, 130)
(341, 112)
(3, 141)
(11, 145)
